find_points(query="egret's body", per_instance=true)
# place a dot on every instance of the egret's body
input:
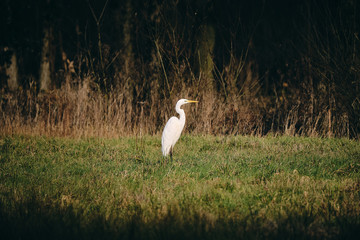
(173, 129)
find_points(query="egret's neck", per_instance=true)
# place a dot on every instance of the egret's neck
(181, 112)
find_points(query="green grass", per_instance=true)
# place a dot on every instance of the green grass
(216, 188)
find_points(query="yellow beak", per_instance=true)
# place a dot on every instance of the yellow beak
(191, 101)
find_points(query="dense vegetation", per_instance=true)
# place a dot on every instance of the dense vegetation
(118, 67)
(216, 188)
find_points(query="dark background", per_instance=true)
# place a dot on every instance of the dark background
(304, 54)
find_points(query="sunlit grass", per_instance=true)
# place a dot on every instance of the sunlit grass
(216, 187)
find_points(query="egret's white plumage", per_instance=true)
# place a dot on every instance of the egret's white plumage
(173, 128)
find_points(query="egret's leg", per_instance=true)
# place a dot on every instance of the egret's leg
(171, 154)
(164, 160)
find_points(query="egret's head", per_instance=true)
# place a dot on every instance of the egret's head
(184, 101)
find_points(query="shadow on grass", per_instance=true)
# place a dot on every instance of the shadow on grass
(34, 220)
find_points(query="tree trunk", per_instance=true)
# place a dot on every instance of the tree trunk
(204, 61)
(12, 73)
(127, 38)
(45, 73)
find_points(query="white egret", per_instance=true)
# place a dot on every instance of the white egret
(173, 129)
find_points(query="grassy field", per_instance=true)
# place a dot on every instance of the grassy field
(216, 188)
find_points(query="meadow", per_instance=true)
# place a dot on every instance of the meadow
(217, 187)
